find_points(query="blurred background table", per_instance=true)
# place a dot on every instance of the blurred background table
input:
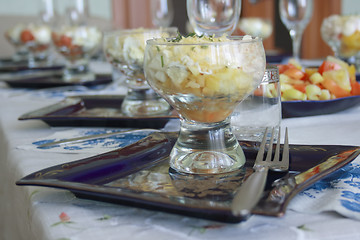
(43, 213)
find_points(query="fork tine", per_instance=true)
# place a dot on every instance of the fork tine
(277, 150)
(269, 153)
(285, 155)
(260, 154)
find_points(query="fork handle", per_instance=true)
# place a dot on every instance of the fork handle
(249, 193)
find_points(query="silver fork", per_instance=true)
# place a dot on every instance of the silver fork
(251, 190)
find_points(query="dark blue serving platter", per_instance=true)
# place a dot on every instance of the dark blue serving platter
(311, 108)
(110, 177)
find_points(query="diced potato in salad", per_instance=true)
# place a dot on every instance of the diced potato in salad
(188, 67)
(333, 79)
(206, 77)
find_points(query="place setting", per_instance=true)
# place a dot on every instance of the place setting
(53, 55)
(228, 159)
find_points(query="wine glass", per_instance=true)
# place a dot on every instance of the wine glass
(124, 49)
(296, 15)
(204, 79)
(162, 12)
(213, 17)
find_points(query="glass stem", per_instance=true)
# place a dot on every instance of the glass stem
(296, 36)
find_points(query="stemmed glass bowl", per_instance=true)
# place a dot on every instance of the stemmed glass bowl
(331, 31)
(32, 42)
(77, 44)
(204, 79)
(124, 49)
(342, 34)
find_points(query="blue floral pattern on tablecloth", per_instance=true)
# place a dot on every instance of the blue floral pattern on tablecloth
(340, 192)
(98, 145)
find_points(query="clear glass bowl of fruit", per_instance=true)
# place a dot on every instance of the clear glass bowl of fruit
(77, 44)
(124, 49)
(204, 79)
(31, 41)
(342, 34)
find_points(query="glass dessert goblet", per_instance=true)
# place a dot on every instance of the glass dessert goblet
(77, 44)
(204, 79)
(32, 42)
(342, 34)
(331, 30)
(124, 49)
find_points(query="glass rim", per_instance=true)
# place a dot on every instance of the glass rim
(234, 40)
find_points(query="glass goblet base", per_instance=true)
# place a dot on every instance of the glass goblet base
(144, 102)
(206, 148)
(21, 54)
(77, 73)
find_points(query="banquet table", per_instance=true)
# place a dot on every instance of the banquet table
(30, 212)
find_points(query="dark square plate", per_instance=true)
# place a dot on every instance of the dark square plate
(48, 79)
(139, 175)
(99, 110)
(8, 65)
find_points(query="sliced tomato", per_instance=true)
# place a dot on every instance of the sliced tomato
(282, 68)
(26, 36)
(355, 88)
(328, 66)
(65, 41)
(294, 73)
(300, 87)
(334, 88)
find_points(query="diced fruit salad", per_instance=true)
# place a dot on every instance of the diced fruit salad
(75, 41)
(204, 77)
(22, 34)
(333, 79)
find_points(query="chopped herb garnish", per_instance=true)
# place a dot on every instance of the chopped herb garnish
(158, 49)
(193, 48)
(178, 38)
(191, 34)
(162, 61)
(204, 47)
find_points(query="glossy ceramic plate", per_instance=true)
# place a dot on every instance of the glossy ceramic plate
(139, 175)
(47, 79)
(99, 110)
(311, 108)
(8, 65)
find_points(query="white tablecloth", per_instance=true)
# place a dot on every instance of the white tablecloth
(45, 213)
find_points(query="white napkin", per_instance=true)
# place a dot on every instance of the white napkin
(339, 192)
(96, 146)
